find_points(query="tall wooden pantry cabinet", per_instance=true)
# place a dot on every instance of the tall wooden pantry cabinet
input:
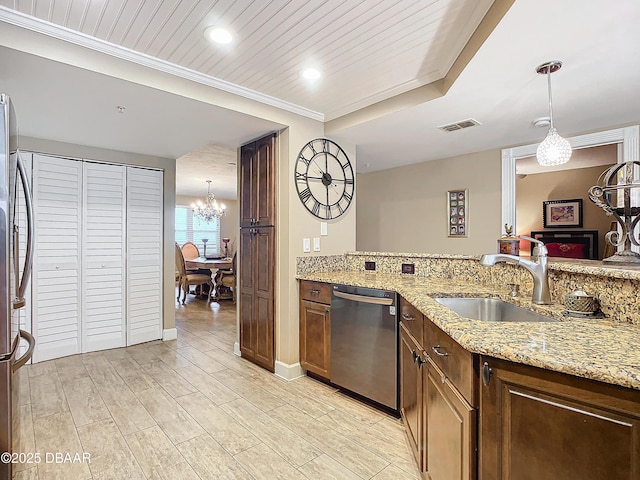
(257, 251)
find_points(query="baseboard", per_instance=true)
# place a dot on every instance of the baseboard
(236, 349)
(289, 372)
(169, 334)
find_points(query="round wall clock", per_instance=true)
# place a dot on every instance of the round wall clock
(324, 178)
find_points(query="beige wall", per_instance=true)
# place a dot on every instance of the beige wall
(169, 168)
(229, 224)
(532, 190)
(404, 209)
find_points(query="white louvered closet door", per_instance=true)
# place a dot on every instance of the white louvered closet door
(56, 281)
(103, 257)
(144, 255)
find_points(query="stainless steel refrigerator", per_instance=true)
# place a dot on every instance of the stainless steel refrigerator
(13, 282)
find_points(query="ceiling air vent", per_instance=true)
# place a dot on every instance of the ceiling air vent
(452, 127)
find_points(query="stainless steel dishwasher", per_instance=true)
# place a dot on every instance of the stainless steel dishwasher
(364, 342)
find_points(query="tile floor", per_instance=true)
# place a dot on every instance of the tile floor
(191, 409)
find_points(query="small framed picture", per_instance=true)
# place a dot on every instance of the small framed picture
(562, 213)
(457, 213)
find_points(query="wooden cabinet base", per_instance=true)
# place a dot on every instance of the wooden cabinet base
(537, 424)
(315, 337)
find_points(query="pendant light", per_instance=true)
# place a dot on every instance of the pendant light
(210, 209)
(554, 150)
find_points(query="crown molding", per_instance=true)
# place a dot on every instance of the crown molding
(34, 24)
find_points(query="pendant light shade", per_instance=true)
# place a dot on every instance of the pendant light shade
(554, 150)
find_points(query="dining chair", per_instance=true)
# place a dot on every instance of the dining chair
(185, 278)
(227, 279)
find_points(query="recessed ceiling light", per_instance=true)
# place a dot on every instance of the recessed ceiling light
(311, 73)
(218, 35)
(120, 108)
(541, 122)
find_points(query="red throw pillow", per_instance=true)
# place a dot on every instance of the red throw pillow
(566, 250)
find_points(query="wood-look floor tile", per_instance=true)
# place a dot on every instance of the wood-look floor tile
(327, 468)
(197, 343)
(168, 378)
(352, 455)
(154, 451)
(233, 437)
(170, 416)
(21, 383)
(57, 433)
(170, 357)
(47, 395)
(210, 460)
(71, 368)
(259, 397)
(101, 371)
(111, 458)
(381, 441)
(125, 408)
(265, 464)
(142, 354)
(85, 402)
(23, 437)
(394, 473)
(135, 378)
(41, 368)
(116, 354)
(296, 450)
(207, 385)
(27, 474)
(201, 360)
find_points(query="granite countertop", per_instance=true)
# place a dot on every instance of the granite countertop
(593, 348)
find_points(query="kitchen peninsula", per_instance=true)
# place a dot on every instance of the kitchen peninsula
(544, 397)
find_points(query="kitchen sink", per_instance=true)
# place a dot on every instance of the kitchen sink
(491, 309)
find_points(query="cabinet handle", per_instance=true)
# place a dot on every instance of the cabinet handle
(326, 310)
(438, 352)
(406, 316)
(314, 292)
(417, 358)
(486, 374)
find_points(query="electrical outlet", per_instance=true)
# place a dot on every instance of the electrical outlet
(306, 245)
(316, 244)
(369, 265)
(408, 268)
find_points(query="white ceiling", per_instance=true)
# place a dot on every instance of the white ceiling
(370, 50)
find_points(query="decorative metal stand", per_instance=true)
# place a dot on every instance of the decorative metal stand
(226, 247)
(204, 243)
(614, 195)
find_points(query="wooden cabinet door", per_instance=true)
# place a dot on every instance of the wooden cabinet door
(247, 184)
(257, 183)
(451, 430)
(315, 337)
(411, 400)
(257, 296)
(264, 177)
(537, 424)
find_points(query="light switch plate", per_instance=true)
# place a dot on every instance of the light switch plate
(323, 229)
(306, 245)
(316, 244)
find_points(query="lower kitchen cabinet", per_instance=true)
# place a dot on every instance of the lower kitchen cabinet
(450, 429)
(315, 337)
(411, 399)
(538, 424)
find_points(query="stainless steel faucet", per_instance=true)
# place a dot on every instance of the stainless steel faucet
(537, 267)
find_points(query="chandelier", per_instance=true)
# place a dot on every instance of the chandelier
(210, 209)
(554, 150)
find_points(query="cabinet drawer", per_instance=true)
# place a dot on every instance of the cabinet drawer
(459, 365)
(412, 319)
(315, 291)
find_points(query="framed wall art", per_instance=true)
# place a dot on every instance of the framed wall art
(562, 213)
(458, 213)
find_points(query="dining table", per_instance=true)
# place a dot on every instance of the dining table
(213, 264)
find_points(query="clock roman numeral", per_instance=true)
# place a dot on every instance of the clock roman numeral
(348, 181)
(301, 177)
(316, 208)
(328, 212)
(347, 196)
(340, 209)
(325, 146)
(306, 160)
(305, 195)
